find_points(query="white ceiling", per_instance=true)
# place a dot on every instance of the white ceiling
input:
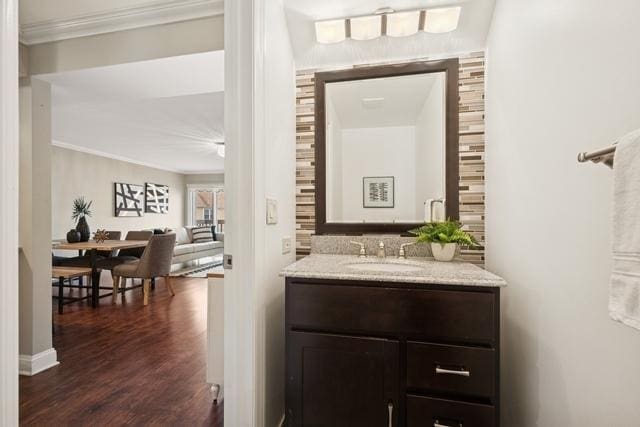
(403, 100)
(471, 34)
(166, 113)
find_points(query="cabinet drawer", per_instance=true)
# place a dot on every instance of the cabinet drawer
(451, 368)
(431, 412)
(463, 316)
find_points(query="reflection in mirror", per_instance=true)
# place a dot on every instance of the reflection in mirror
(385, 149)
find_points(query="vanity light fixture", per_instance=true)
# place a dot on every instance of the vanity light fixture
(366, 27)
(442, 20)
(333, 31)
(402, 24)
(388, 22)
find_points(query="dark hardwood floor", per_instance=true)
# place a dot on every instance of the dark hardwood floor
(126, 364)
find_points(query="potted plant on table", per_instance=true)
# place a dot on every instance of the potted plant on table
(81, 210)
(444, 238)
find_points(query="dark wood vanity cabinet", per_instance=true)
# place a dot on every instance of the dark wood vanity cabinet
(391, 354)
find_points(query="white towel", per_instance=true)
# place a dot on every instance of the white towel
(624, 298)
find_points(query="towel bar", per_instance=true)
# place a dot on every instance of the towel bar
(604, 155)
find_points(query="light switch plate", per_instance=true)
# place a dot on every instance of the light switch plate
(286, 245)
(272, 211)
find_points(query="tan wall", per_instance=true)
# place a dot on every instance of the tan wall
(24, 61)
(80, 174)
(35, 217)
(204, 178)
(140, 44)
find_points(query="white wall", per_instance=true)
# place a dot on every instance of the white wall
(277, 182)
(429, 155)
(260, 164)
(334, 164)
(383, 151)
(9, 155)
(77, 174)
(563, 76)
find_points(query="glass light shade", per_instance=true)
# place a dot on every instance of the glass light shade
(442, 20)
(330, 31)
(403, 24)
(220, 149)
(366, 27)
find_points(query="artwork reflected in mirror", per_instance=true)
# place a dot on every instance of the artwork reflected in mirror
(378, 192)
(387, 135)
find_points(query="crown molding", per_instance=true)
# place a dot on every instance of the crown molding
(145, 15)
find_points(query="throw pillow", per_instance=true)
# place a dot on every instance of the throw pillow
(202, 235)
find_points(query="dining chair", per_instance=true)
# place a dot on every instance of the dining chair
(155, 262)
(136, 235)
(84, 260)
(125, 255)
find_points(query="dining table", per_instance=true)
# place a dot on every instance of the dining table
(92, 247)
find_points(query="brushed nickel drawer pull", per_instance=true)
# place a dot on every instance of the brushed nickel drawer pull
(460, 372)
(390, 408)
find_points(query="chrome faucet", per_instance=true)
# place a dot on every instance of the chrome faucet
(402, 253)
(363, 252)
(381, 251)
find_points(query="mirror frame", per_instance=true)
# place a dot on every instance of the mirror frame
(450, 68)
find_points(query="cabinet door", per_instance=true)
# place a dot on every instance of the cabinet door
(335, 381)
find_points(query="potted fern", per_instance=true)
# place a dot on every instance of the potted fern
(80, 211)
(444, 238)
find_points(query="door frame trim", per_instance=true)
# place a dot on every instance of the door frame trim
(9, 146)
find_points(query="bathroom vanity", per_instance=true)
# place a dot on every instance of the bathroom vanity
(389, 338)
(391, 342)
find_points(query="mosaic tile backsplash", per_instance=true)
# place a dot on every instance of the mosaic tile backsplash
(472, 140)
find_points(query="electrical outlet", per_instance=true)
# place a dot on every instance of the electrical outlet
(286, 245)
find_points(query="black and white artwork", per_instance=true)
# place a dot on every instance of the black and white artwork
(378, 192)
(129, 199)
(157, 198)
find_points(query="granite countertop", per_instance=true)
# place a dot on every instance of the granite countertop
(322, 266)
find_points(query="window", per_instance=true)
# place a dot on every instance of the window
(206, 207)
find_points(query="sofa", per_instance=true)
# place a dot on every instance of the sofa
(186, 250)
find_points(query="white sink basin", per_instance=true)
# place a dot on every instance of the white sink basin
(386, 267)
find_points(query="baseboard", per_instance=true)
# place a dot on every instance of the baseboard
(31, 365)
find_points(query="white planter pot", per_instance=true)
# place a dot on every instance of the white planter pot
(444, 251)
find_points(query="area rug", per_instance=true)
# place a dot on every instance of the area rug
(201, 270)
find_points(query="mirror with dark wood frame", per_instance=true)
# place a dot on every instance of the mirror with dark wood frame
(386, 147)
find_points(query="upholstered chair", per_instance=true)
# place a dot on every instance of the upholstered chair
(125, 255)
(155, 262)
(136, 235)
